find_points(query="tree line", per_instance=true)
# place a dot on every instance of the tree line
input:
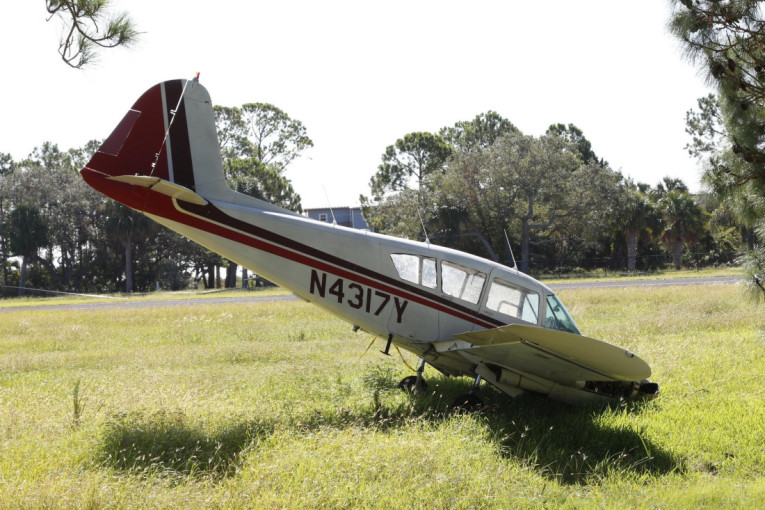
(57, 233)
(485, 187)
(481, 186)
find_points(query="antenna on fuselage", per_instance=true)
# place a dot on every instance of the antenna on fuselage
(427, 239)
(334, 221)
(510, 249)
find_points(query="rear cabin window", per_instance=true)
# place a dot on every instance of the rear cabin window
(461, 282)
(416, 269)
(512, 300)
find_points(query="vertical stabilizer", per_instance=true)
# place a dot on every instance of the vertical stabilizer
(170, 134)
(167, 142)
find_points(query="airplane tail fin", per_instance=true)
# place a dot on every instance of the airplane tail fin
(167, 143)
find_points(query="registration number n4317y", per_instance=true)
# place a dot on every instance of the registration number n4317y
(355, 295)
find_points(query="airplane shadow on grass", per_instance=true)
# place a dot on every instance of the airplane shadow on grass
(569, 444)
(561, 442)
(170, 444)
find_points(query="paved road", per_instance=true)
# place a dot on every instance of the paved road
(659, 282)
(127, 305)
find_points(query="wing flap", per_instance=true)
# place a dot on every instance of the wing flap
(556, 355)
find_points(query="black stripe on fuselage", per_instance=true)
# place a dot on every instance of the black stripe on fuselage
(211, 212)
(183, 170)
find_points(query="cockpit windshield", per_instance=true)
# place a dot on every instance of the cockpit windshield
(558, 318)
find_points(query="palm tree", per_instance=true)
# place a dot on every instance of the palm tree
(27, 233)
(127, 226)
(684, 222)
(639, 214)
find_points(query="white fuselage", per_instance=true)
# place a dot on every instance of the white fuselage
(351, 273)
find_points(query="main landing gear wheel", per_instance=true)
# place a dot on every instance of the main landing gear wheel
(409, 384)
(466, 403)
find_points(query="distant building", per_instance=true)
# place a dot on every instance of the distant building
(345, 216)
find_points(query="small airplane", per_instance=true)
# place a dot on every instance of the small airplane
(461, 314)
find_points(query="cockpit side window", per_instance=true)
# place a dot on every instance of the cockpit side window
(461, 282)
(557, 316)
(416, 269)
(512, 300)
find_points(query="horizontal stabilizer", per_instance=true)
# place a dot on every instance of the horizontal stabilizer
(557, 355)
(161, 186)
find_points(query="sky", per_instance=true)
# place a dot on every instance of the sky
(360, 75)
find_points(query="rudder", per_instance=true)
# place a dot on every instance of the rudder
(169, 133)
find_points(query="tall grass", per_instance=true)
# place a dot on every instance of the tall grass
(277, 405)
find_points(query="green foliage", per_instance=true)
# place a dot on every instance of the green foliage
(415, 156)
(275, 138)
(88, 25)
(256, 179)
(531, 186)
(477, 134)
(575, 135)
(27, 230)
(556, 199)
(396, 214)
(127, 227)
(727, 40)
(232, 132)
(6, 163)
(636, 216)
(753, 265)
(258, 141)
(685, 222)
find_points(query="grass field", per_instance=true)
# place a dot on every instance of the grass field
(278, 405)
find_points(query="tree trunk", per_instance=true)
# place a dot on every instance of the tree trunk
(231, 275)
(217, 277)
(677, 249)
(210, 277)
(525, 234)
(128, 268)
(524, 267)
(23, 279)
(631, 250)
(245, 283)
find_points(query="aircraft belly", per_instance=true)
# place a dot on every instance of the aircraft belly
(531, 361)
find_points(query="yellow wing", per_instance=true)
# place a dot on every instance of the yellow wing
(555, 355)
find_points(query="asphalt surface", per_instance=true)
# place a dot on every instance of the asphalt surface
(128, 305)
(659, 282)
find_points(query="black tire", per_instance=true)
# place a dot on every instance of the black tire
(409, 384)
(466, 403)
